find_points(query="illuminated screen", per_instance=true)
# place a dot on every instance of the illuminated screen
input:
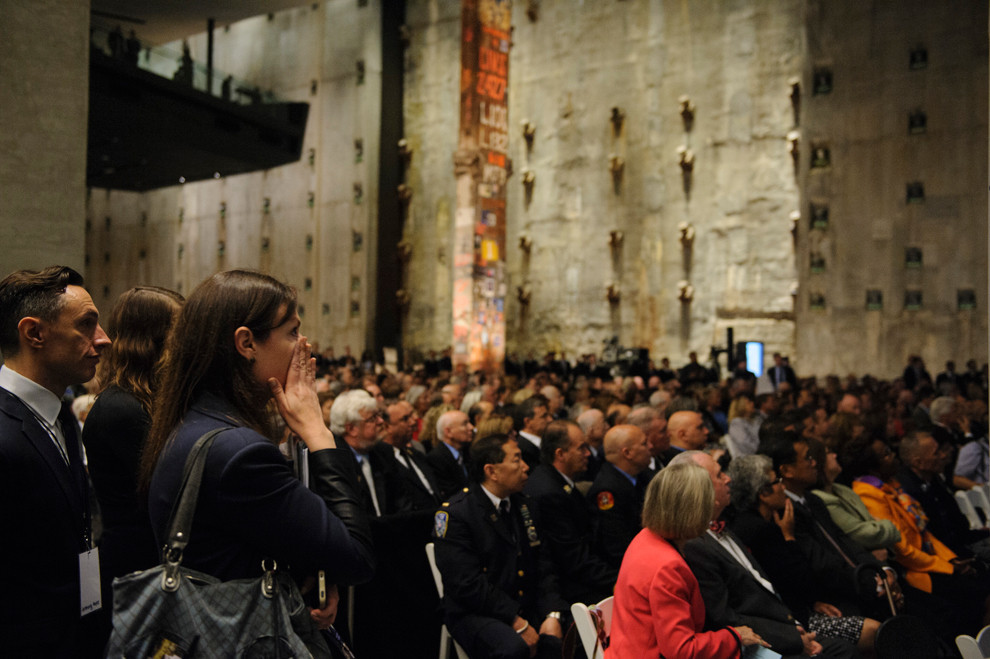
(754, 357)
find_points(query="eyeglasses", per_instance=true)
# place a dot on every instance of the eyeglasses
(374, 417)
(770, 485)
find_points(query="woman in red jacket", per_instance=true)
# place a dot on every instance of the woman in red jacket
(658, 610)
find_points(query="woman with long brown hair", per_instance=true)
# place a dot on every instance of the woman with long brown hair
(117, 426)
(236, 346)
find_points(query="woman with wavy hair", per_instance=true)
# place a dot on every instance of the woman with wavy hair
(117, 426)
(234, 347)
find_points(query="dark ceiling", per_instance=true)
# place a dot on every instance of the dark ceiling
(161, 21)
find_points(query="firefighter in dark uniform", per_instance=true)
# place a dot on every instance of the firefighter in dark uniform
(500, 594)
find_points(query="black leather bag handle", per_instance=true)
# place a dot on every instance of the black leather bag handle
(184, 507)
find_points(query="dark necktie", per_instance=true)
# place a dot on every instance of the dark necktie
(506, 517)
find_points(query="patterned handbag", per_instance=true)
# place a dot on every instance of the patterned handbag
(171, 611)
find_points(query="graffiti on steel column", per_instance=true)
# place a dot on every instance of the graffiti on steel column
(479, 241)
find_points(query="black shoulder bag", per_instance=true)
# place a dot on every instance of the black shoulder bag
(172, 611)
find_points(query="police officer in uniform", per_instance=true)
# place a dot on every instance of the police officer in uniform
(500, 598)
(563, 515)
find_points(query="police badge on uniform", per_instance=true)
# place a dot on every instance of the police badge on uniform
(534, 540)
(440, 524)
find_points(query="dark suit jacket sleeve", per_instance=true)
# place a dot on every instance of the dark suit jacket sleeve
(571, 551)
(615, 527)
(749, 603)
(463, 576)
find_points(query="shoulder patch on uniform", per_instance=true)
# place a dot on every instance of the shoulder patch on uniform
(605, 500)
(440, 524)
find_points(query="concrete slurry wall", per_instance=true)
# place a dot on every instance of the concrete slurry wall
(567, 70)
(864, 123)
(316, 235)
(43, 114)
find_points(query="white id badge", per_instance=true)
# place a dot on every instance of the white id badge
(89, 582)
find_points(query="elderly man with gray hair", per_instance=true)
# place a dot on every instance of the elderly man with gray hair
(449, 458)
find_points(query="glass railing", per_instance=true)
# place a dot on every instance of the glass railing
(176, 64)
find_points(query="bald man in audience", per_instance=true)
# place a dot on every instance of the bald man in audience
(555, 401)
(616, 495)
(686, 431)
(654, 426)
(851, 404)
(593, 426)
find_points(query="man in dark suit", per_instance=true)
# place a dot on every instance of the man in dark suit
(593, 425)
(51, 339)
(449, 458)
(781, 372)
(616, 495)
(500, 593)
(413, 484)
(737, 591)
(832, 556)
(401, 590)
(530, 419)
(562, 512)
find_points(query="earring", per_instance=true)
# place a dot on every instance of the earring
(251, 361)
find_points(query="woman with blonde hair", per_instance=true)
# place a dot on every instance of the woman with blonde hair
(658, 609)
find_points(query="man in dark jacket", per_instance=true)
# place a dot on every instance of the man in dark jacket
(737, 591)
(562, 512)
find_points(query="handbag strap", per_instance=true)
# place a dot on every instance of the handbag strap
(180, 519)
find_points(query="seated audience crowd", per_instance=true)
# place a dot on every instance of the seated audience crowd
(796, 514)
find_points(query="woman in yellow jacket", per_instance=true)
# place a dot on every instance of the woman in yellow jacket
(929, 565)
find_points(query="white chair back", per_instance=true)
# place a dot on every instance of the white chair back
(586, 621)
(446, 640)
(968, 647)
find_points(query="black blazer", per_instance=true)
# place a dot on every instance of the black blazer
(783, 561)
(450, 475)
(490, 568)
(835, 578)
(565, 528)
(115, 433)
(407, 491)
(734, 597)
(44, 517)
(251, 505)
(616, 506)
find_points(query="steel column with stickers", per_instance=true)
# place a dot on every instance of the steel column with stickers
(481, 169)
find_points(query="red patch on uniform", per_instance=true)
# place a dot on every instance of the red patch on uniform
(605, 500)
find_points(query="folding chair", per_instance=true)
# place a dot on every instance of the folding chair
(968, 647)
(445, 638)
(594, 625)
